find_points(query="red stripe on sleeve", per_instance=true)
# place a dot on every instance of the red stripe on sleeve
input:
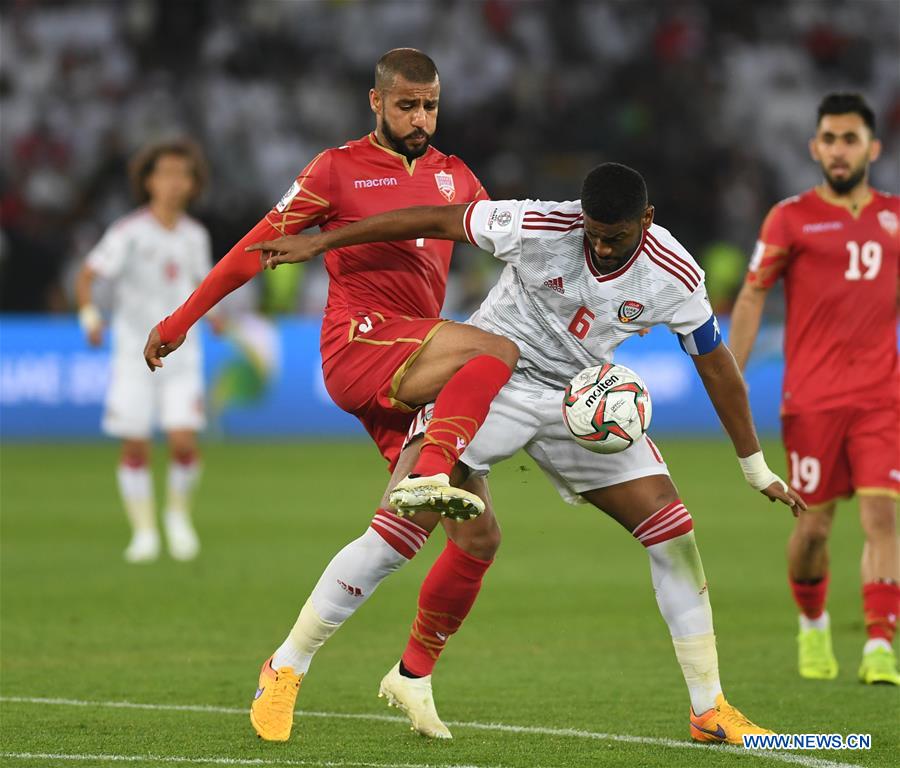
(670, 270)
(467, 223)
(680, 259)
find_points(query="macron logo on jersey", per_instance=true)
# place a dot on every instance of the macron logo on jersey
(556, 284)
(387, 181)
(823, 226)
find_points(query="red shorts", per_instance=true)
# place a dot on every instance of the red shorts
(364, 360)
(838, 452)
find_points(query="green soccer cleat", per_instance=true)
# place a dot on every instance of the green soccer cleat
(815, 658)
(879, 666)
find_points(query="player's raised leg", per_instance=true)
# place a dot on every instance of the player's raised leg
(184, 472)
(808, 576)
(461, 369)
(346, 583)
(649, 507)
(136, 489)
(881, 586)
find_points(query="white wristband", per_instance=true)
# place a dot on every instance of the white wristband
(757, 472)
(89, 318)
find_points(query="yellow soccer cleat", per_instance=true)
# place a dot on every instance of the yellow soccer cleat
(272, 710)
(414, 494)
(815, 658)
(413, 695)
(879, 666)
(723, 724)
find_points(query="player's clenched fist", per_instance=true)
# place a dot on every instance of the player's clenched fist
(155, 350)
(291, 249)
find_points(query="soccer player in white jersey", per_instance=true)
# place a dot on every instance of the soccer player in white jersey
(153, 257)
(580, 278)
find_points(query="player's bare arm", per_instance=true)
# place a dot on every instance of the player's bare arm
(439, 222)
(89, 317)
(748, 308)
(745, 321)
(728, 394)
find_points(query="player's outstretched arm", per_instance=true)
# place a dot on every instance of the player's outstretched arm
(728, 394)
(438, 222)
(232, 271)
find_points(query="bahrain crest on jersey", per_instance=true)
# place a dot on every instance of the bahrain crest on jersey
(888, 221)
(445, 185)
(630, 310)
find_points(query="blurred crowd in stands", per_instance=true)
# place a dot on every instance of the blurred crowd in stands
(713, 100)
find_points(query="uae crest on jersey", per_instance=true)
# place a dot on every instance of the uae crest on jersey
(630, 310)
(888, 221)
(445, 185)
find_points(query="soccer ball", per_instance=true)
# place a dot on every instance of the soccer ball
(606, 408)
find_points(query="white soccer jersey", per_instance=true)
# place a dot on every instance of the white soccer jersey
(551, 300)
(152, 270)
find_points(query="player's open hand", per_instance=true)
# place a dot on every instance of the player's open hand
(779, 491)
(290, 249)
(155, 350)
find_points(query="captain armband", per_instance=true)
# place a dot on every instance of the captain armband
(703, 339)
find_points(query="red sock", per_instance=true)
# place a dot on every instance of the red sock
(459, 410)
(810, 594)
(447, 595)
(881, 604)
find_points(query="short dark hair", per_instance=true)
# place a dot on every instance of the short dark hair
(144, 163)
(612, 192)
(409, 63)
(846, 103)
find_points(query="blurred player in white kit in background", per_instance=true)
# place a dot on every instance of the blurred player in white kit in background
(153, 257)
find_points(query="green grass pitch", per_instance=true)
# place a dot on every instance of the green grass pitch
(564, 651)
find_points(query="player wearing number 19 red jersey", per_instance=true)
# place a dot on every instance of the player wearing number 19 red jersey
(837, 248)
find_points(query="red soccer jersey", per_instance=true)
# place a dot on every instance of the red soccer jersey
(363, 178)
(340, 186)
(841, 279)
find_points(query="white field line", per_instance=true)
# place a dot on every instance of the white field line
(106, 758)
(783, 757)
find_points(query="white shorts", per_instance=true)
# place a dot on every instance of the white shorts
(530, 417)
(137, 400)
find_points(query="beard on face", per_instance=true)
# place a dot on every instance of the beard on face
(617, 259)
(843, 186)
(399, 145)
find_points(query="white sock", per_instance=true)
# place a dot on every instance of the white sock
(181, 481)
(876, 642)
(683, 599)
(700, 667)
(823, 622)
(136, 490)
(346, 583)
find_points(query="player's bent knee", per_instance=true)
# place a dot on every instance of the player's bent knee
(479, 539)
(504, 349)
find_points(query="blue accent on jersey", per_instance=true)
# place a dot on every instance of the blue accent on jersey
(703, 339)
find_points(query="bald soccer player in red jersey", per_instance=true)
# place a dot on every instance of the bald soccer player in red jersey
(385, 353)
(837, 248)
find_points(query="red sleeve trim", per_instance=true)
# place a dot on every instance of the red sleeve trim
(467, 223)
